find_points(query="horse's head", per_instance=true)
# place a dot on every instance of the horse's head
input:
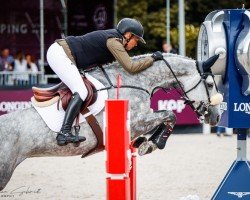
(207, 102)
(204, 98)
(198, 86)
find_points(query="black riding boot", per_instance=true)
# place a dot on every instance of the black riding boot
(65, 135)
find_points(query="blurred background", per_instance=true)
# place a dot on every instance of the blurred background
(28, 28)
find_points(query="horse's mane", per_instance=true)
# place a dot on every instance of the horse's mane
(154, 75)
(180, 60)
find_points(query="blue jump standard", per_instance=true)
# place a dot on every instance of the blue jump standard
(236, 183)
(235, 22)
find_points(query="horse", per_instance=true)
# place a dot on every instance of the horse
(24, 134)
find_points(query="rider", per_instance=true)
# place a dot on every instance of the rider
(67, 56)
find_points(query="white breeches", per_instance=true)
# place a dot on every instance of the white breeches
(66, 70)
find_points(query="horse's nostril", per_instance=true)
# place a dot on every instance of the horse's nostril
(218, 119)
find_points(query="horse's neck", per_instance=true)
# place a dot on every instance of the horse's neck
(112, 71)
(156, 75)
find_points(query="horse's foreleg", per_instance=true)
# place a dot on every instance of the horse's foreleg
(159, 125)
(145, 122)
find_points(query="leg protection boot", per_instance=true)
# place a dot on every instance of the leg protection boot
(160, 136)
(138, 141)
(141, 139)
(65, 135)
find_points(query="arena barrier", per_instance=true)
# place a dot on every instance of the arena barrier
(120, 156)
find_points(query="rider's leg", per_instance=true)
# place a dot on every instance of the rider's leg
(65, 136)
(70, 76)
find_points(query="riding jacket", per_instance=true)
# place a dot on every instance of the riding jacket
(101, 47)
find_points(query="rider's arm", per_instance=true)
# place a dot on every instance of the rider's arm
(116, 48)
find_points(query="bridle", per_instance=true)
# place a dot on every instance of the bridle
(202, 108)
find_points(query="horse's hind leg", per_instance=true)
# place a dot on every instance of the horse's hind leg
(5, 175)
(10, 157)
(6, 171)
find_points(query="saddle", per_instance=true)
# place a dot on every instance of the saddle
(63, 93)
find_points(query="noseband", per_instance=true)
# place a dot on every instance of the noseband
(202, 108)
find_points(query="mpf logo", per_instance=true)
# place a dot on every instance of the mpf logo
(239, 194)
(242, 107)
(171, 104)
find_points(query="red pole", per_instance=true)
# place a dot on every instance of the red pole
(117, 149)
(118, 84)
(132, 175)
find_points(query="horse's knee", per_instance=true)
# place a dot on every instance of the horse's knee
(168, 116)
(171, 118)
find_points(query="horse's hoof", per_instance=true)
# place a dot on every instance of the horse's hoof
(138, 141)
(146, 148)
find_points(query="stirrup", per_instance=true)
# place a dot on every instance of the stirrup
(77, 137)
(64, 139)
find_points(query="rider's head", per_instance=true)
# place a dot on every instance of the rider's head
(132, 31)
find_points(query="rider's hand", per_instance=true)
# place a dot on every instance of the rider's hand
(157, 56)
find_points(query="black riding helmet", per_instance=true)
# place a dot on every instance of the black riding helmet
(133, 26)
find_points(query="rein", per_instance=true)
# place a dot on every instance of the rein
(178, 82)
(202, 107)
(112, 86)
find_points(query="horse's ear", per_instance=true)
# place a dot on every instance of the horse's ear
(206, 66)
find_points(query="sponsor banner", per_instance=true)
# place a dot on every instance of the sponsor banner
(242, 107)
(12, 100)
(172, 101)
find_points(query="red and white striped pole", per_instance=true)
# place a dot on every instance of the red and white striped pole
(132, 174)
(120, 163)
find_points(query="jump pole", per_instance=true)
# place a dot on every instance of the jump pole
(120, 156)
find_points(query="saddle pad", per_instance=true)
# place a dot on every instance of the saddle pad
(54, 117)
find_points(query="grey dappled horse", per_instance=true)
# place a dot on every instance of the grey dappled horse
(24, 134)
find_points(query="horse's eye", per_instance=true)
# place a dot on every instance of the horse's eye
(210, 85)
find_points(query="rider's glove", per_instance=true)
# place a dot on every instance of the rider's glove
(157, 56)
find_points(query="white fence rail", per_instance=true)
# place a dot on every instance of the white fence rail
(23, 78)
